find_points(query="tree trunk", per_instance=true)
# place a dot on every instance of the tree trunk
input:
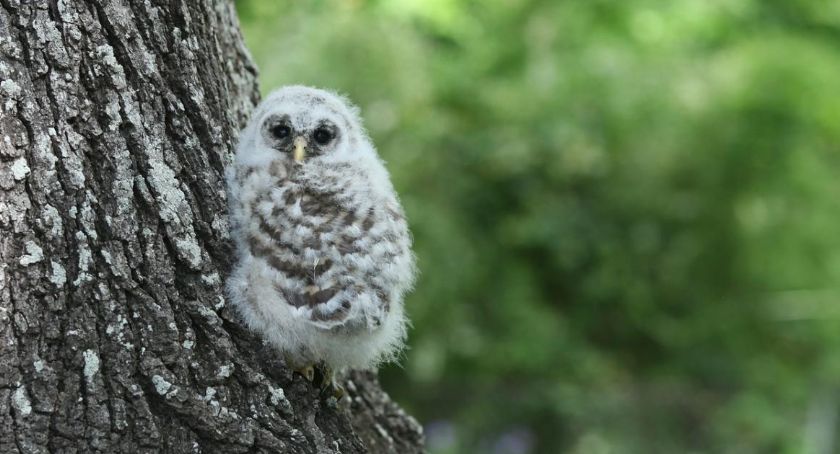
(116, 120)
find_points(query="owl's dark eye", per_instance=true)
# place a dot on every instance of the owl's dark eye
(323, 136)
(281, 131)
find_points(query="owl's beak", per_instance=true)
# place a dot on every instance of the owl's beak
(300, 149)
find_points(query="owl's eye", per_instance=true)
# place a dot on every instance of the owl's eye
(281, 131)
(323, 136)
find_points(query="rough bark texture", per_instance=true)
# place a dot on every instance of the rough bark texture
(116, 120)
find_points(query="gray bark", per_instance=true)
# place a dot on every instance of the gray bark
(116, 120)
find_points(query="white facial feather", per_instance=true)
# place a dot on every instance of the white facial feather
(323, 250)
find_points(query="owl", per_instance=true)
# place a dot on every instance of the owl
(323, 251)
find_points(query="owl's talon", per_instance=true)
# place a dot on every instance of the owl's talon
(338, 391)
(327, 378)
(308, 372)
(331, 385)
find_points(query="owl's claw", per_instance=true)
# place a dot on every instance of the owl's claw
(336, 389)
(329, 383)
(308, 372)
(330, 388)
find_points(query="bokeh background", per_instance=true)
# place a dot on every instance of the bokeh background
(626, 213)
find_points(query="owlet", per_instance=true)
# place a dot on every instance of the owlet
(323, 250)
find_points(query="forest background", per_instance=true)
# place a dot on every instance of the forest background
(626, 214)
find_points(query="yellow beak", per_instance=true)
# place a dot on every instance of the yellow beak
(300, 149)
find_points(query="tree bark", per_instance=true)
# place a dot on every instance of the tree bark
(116, 121)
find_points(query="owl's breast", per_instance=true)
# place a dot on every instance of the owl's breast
(335, 249)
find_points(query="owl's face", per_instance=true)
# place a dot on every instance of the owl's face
(302, 140)
(305, 125)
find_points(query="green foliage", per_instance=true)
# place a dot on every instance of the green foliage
(626, 214)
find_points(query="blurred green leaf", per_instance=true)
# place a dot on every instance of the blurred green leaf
(626, 213)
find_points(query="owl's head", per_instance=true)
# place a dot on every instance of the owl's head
(304, 125)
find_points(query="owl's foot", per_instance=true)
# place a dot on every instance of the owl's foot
(330, 386)
(324, 378)
(337, 390)
(308, 372)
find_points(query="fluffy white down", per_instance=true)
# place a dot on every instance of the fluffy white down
(370, 334)
(306, 343)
